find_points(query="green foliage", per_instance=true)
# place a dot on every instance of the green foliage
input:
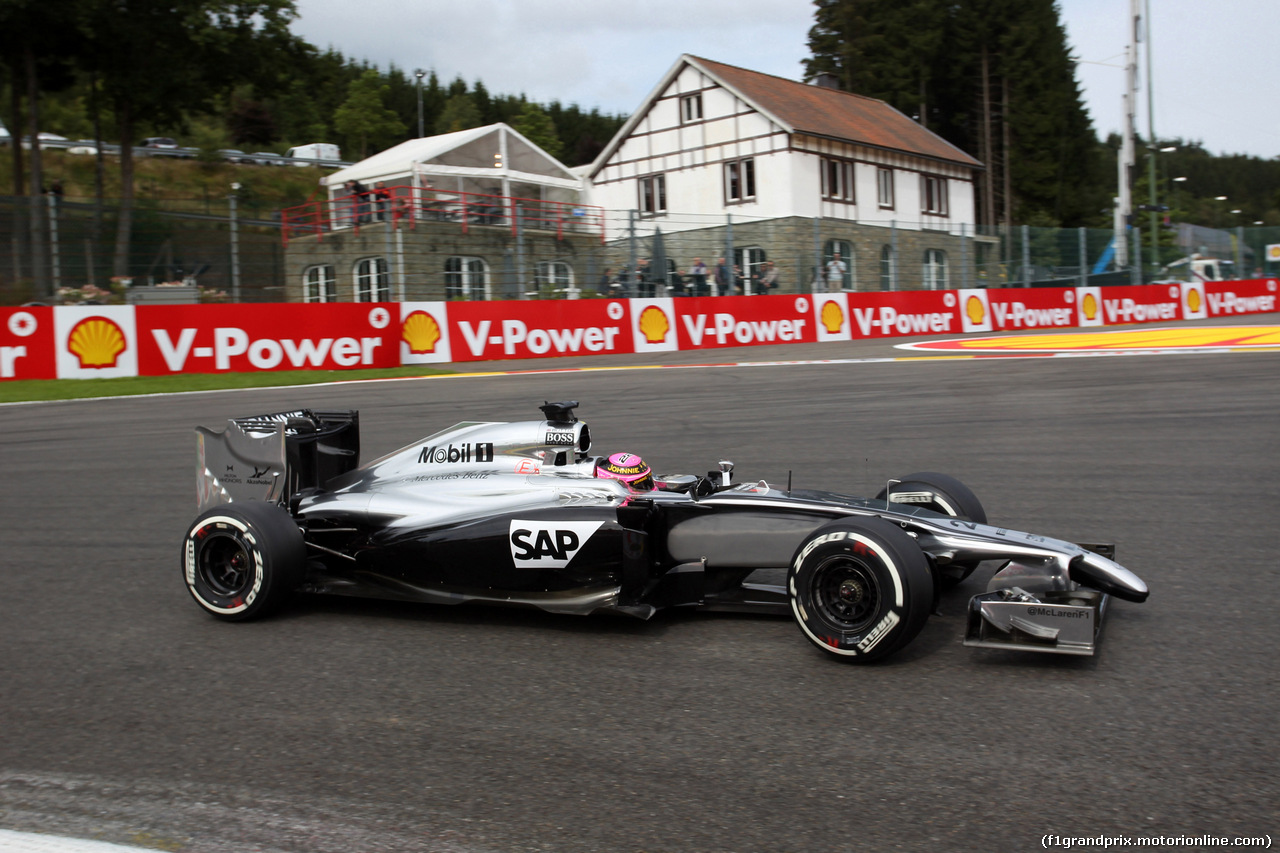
(459, 113)
(536, 126)
(993, 77)
(363, 116)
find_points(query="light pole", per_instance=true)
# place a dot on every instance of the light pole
(419, 73)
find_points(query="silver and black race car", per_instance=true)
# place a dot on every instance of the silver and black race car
(514, 513)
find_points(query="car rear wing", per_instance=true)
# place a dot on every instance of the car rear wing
(272, 457)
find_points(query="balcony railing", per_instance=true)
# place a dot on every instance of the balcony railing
(405, 207)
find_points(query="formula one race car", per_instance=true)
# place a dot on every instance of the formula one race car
(522, 513)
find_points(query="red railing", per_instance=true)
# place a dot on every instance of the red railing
(407, 206)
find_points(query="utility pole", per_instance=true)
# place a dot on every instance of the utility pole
(419, 73)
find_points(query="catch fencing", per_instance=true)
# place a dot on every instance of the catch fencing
(467, 247)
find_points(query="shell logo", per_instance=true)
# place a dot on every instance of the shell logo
(1089, 305)
(96, 341)
(832, 317)
(421, 332)
(1193, 300)
(973, 308)
(654, 325)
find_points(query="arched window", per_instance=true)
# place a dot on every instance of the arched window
(319, 284)
(935, 269)
(372, 282)
(554, 275)
(835, 255)
(466, 278)
(888, 268)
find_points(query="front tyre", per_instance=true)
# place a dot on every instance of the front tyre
(860, 589)
(242, 560)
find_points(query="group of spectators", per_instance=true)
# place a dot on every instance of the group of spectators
(368, 204)
(699, 280)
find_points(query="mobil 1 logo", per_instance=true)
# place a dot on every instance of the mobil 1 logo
(548, 544)
(478, 452)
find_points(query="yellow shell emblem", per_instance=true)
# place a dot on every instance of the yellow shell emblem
(654, 324)
(973, 307)
(421, 332)
(1193, 300)
(96, 341)
(832, 317)
(1089, 305)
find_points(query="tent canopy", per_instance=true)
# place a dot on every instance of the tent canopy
(492, 159)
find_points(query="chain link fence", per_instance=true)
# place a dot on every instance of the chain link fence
(57, 250)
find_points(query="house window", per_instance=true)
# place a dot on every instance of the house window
(933, 192)
(372, 282)
(935, 269)
(837, 180)
(884, 187)
(554, 275)
(740, 180)
(888, 268)
(465, 278)
(319, 284)
(837, 266)
(690, 108)
(653, 194)
(749, 260)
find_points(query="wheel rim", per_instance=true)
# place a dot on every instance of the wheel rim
(846, 594)
(224, 564)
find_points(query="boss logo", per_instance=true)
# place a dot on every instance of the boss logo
(478, 452)
(560, 438)
(543, 545)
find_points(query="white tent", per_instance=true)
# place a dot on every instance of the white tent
(494, 160)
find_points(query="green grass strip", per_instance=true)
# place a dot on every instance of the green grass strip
(32, 390)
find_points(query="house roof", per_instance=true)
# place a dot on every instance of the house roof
(813, 110)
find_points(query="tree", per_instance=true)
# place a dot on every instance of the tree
(363, 115)
(158, 59)
(459, 113)
(536, 126)
(993, 77)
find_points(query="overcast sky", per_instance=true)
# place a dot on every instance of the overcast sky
(1216, 66)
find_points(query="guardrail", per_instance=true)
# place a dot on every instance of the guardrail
(263, 158)
(407, 206)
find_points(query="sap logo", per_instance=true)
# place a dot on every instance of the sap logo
(478, 452)
(548, 545)
(560, 438)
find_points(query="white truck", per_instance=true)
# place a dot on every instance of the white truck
(314, 151)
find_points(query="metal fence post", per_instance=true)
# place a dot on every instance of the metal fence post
(1026, 256)
(817, 256)
(235, 245)
(1136, 267)
(53, 242)
(964, 256)
(1083, 243)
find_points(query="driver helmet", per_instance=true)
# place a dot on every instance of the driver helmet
(629, 468)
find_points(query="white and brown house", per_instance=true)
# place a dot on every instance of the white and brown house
(785, 160)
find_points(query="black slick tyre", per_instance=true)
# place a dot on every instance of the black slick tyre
(860, 589)
(947, 495)
(241, 560)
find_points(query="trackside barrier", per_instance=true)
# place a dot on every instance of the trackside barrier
(92, 341)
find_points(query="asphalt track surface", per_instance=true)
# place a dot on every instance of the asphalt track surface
(127, 715)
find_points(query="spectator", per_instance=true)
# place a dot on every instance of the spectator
(381, 200)
(698, 278)
(768, 278)
(835, 273)
(644, 281)
(724, 279)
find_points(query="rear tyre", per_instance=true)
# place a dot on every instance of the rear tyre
(860, 589)
(947, 495)
(241, 560)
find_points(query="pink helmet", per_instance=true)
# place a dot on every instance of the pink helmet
(628, 468)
